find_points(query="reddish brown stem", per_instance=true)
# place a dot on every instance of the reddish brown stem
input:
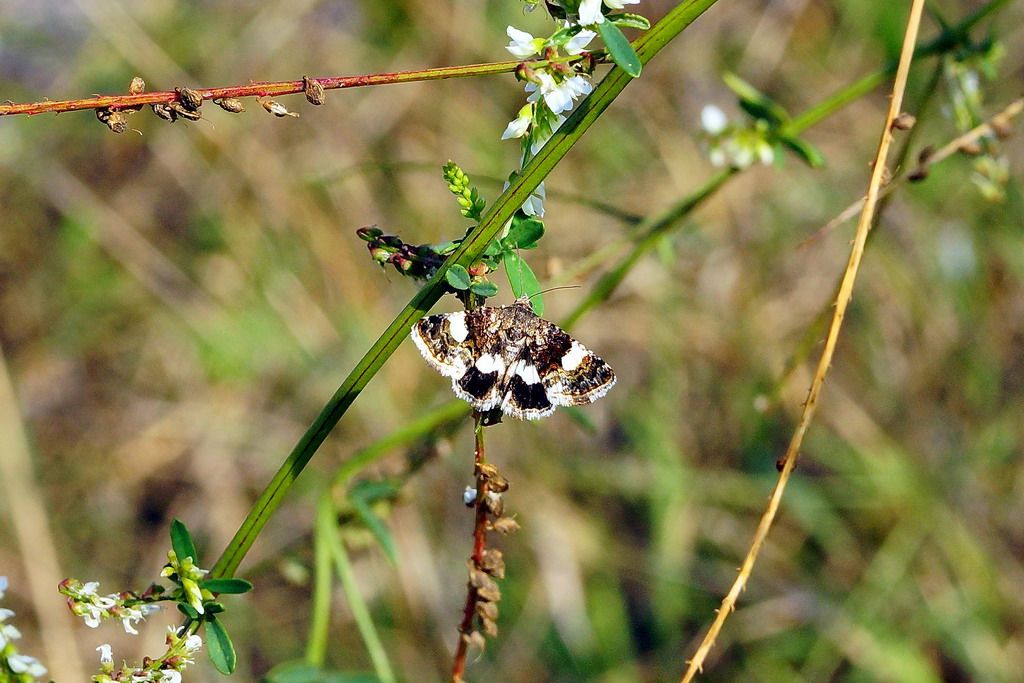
(269, 88)
(477, 558)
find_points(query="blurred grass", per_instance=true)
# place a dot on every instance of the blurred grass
(176, 306)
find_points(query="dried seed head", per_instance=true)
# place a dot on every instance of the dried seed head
(189, 98)
(498, 483)
(276, 108)
(165, 112)
(137, 86)
(490, 628)
(314, 91)
(904, 121)
(489, 593)
(114, 120)
(184, 112)
(230, 104)
(505, 525)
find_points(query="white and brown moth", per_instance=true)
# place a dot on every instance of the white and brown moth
(509, 358)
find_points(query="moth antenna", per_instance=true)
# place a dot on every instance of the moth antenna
(552, 289)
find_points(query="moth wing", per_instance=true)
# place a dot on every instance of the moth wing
(572, 374)
(445, 342)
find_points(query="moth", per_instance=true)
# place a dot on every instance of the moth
(509, 358)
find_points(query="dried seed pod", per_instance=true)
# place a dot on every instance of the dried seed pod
(493, 563)
(276, 108)
(137, 86)
(489, 593)
(490, 628)
(184, 112)
(475, 639)
(497, 483)
(314, 91)
(189, 98)
(505, 525)
(971, 149)
(479, 579)
(165, 112)
(230, 104)
(495, 505)
(114, 120)
(905, 121)
(488, 611)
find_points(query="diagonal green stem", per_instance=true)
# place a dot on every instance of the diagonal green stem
(471, 248)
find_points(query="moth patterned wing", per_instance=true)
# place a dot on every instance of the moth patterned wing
(572, 374)
(459, 345)
(525, 397)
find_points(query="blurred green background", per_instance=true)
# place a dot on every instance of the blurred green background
(176, 306)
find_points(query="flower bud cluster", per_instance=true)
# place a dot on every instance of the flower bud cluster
(735, 145)
(85, 601)
(181, 651)
(418, 261)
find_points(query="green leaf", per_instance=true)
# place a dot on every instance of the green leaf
(629, 20)
(188, 610)
(458, 277)
(213, 607)
(805, 150)
(301, 672)
(377, 527)
(229, 586)
(619, 48)
(445, 248)
(484, 289)
(220, 647)
(523, 281)
(181, 541)
(755, 102)
(493, 249)
(525, 232)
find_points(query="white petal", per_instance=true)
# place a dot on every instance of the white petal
(522, 44)
(579, 41)
(618, 4)
(590, 12)
(21, 664)
(519, 126)
(713, 120)
(3, 585)
(517, 35)
(106, 654)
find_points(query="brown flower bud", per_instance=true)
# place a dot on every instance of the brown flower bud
(493, 562)
(478, 269)
(487, 611)
(114, 120)
(165, 112)
(905, 121)
(505, 525)
(230, 104)
(314, 91)
(189, 98)
(971, 149)
(137, 86)
(276, 108)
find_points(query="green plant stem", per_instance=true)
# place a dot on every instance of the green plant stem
(471, 248)
(316, 643)
(328, 531)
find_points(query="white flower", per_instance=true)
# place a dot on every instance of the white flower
(558, 96)
(534, 205)
(540, 140)
(518, 126)
(619, 4)
(193, 644)
(523, 45)
(579, 41)
(8, 632)
(106, 654)
(170, 676)
(23, 664)
(713, 120)
(590, 12)
(5, 614)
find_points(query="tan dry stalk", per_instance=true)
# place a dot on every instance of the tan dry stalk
(694, 666)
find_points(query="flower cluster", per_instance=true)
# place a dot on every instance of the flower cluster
(557, 80)
(734, 145)
(85, 601)
(13, 665)
(181, 650)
